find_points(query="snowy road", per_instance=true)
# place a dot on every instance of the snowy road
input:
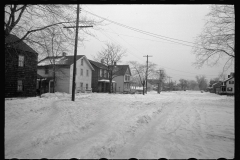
(170, 125)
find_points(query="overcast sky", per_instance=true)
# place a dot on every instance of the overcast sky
(182, 22)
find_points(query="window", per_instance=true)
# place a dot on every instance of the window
(100, 72)
(229, 89)
(87, 72)
(81, 85)
(127, 78)
(46, 70)
(81, 62)
(231, 82)
(19, 85)
(21, 61)
(105, 73)
(81, 72)
(86, 86)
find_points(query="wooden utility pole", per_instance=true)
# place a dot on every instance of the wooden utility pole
(160, 81)
(169, 82)
(75, 52)
(147, 71)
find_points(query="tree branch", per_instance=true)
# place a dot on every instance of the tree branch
(35, 30)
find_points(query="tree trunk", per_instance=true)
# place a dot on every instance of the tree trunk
(54, 78)
(143, 87)
(110, 82)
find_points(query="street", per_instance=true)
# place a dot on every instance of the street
(169, 125)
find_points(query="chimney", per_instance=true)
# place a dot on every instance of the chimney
(64, 54)
(115, 63)
(102, 61)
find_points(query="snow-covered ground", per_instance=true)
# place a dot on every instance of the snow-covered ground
(169, 125)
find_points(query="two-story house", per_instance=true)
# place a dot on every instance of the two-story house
(100, 77)
(122, 77)
(20, 69)
(228, 85)
(64, 73)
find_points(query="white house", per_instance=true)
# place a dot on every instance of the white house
(122, 78)
(228, 85)
(64, 73)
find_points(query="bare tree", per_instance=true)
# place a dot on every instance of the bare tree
(140, 71)
(111, 55)
(25, 21)
(217, 40)
(202, 82)
(160, 76)
(53, 44)
(183, 83)
(192, 84)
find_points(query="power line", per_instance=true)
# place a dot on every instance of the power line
(149, 34)
(118, 42)
(182, 71)
(145, 32)
(138, 37)
(127, 43)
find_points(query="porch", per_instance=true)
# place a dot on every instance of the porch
(103, 85)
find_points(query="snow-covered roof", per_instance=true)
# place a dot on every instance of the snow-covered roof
(121, 70)
(228, 79)
(217, 83)
(59, 60)
(98, 64)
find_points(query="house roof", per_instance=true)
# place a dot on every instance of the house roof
(59, 60)
(217, 83)
(21, 45)
(122, 70)
(228, 79)
(98, 64)
(63, 60)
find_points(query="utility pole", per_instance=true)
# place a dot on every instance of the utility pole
(75, 52)
(160, 81)
(169, 82)
(147, 71)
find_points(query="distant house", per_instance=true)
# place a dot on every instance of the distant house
(152, 84)
(100, 77)
(122, 77)
(20, 69)
(64, 73)
(227, 86)
(216, 87)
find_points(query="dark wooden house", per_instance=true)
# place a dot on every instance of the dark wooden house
(100, 80)
(20, 69)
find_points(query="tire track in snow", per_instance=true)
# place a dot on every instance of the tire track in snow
(146, 133)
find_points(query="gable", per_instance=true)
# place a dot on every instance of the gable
(127, 71)
(122, 70)
(85, 60)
